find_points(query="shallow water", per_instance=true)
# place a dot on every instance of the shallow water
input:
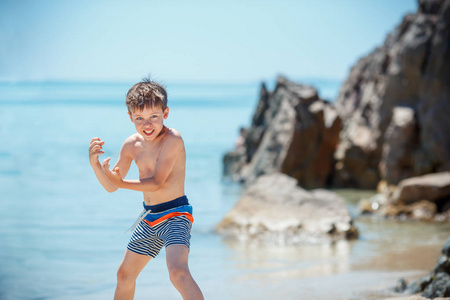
(61, 234)
(362, 269)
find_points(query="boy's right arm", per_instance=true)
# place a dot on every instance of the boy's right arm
(95, 149)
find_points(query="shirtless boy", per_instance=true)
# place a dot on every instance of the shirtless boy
(159, 153)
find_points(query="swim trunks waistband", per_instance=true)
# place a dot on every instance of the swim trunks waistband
(183, 200)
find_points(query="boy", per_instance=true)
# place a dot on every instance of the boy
(159, 153)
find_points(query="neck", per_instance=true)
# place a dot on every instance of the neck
(163, 131)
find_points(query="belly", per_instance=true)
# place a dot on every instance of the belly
(161, 196)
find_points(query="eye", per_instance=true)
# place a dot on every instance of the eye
(139, 118)
(154, 116)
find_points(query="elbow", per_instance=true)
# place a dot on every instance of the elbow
(111, 190)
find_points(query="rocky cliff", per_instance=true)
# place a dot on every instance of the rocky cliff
(394, 104)
(390, 122)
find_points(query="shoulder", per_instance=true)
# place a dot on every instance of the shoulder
(131, 141)
(174, 134)
(173, 137)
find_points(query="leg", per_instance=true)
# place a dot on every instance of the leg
(177, 264)
(132, 264)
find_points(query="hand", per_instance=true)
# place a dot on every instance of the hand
(95, 149)
(114, 175)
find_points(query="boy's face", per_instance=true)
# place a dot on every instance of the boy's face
(149, 121)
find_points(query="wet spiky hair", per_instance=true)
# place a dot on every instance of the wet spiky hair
(147, 93)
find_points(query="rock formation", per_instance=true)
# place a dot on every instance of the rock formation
(394, 104)
(274, 210)
(293, 132)
(390, 124)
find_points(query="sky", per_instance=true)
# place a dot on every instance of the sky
(206, 41)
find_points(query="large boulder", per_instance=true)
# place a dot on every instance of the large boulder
(293, 131)
(424, 197)
(394, 104)
(432, 187)
(274, 209)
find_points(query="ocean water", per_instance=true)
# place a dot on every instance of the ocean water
(62, 236)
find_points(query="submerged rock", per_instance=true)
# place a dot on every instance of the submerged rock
(274, 209)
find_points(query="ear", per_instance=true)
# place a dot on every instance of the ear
(166, 113)
(131, 117)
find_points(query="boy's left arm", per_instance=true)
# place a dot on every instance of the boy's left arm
(170, 152)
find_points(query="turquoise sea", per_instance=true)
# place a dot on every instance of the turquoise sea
(62, 236)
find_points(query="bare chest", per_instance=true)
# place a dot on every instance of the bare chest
(146, 158)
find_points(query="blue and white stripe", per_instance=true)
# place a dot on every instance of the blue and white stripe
(148, 240)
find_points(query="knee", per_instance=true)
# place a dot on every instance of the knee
(178, 275)
(125, 276)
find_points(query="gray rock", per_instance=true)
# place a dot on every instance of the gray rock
(420, 285)
(293, 132)
(273, 209)
(394, 104)
(442, 265)
(437, 283)
(401, 285)
(439, 287)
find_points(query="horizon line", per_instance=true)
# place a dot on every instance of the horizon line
(171, 81)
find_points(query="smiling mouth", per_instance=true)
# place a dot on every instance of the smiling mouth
(149, 132)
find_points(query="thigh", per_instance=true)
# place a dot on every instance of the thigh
(176, 231)
(145, 241)
(133, 263)
(177, 256)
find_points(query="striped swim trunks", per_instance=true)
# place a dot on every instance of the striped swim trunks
(163, 224)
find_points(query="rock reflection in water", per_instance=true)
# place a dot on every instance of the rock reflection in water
(264, 262)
